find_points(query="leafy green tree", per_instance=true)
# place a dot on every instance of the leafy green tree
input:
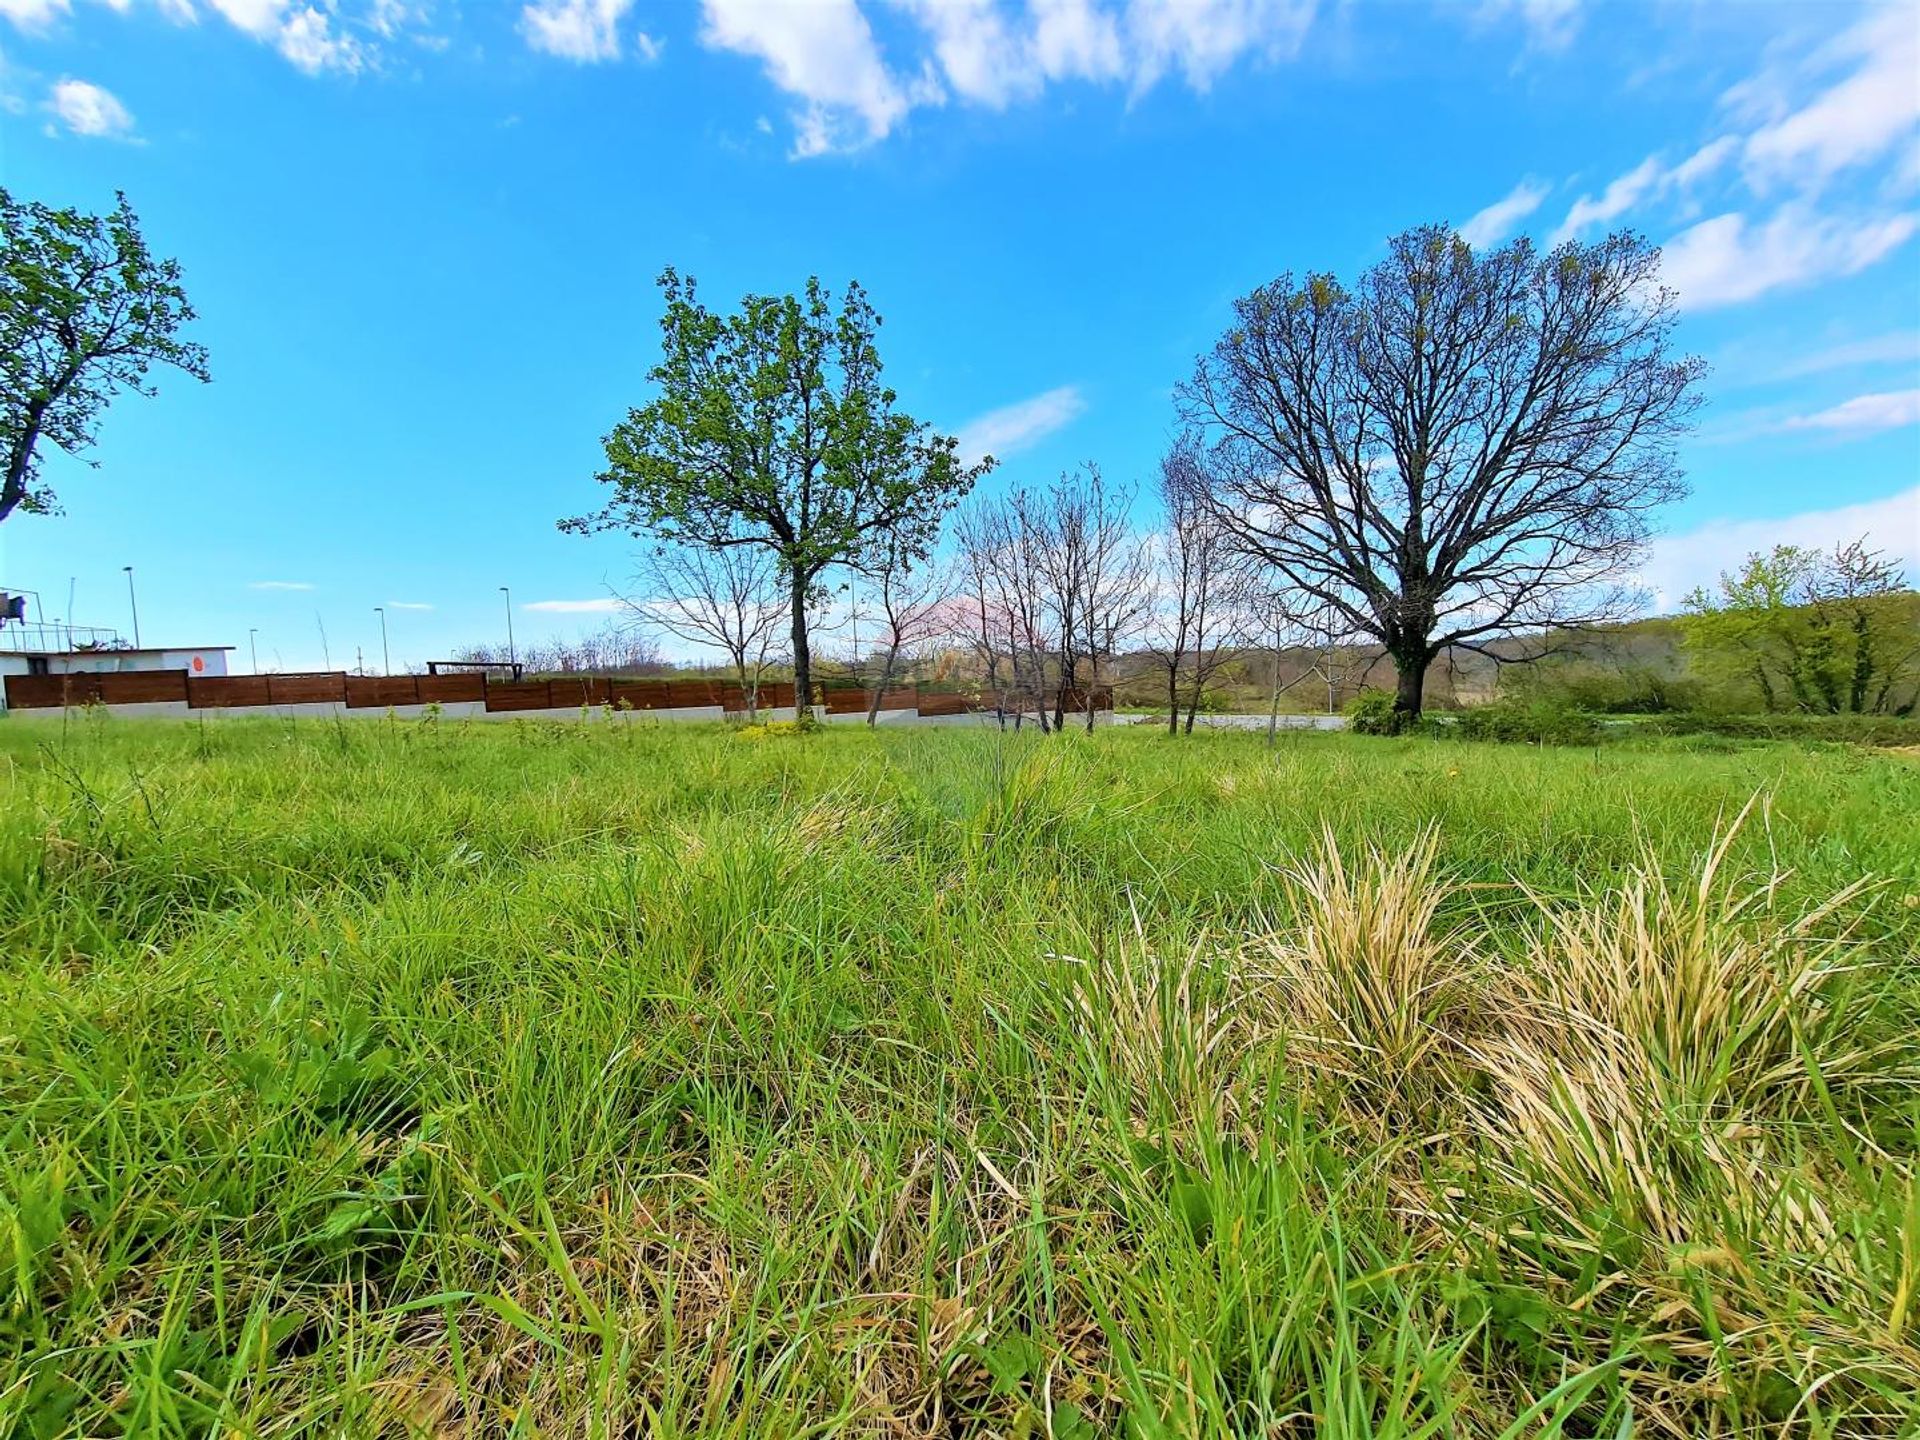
(772, 428)
(85, 312)
(1826, 633)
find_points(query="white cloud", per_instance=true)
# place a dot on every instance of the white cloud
(307, 39)
(1857, 119)
(823, 53)
(91, 110)
(987, 52)
(584, 31)
(280, 585)
(33, 15)
(1677, 563)
(1204, 37)
(605, 605)
(1497, 221)
(1864, 414)
(408, 605)
(1016, 427)
(1725, 260)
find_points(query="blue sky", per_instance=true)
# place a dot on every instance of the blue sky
(422, 236)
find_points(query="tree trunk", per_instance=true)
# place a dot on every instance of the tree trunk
(1273, 704)
(886, 679)
(1411, 669)
(1173, 698)
(802, 655)
(749, 688)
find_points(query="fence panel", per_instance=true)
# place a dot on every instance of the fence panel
(945, 705)
(377, 692)
(36, 692)
(316, 688)
(142, 687)
(572, 691)
(221, 692)
(777, 695)
(641, 694)
(451, 689)
(519, 695)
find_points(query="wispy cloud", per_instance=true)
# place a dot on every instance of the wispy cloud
(1899, 347)
(583, 31)
(280, 585)
(1725, 260)
(1017, 427)
(1498, 220)
(408, 605)
(601, 605)
(1863, 415)
(848, 93)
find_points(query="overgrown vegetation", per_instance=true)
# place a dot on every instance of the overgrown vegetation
(381, 1078)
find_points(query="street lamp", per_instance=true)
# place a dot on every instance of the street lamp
(386, 662)
(253, 648)
(512, 659)
(134, 605)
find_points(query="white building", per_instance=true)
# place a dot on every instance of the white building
(18, 658)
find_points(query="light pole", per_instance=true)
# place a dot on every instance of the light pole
(253, 648)
(386, 661)
(133, 604)
(512, 659)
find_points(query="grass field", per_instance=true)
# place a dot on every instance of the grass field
(379, 1078)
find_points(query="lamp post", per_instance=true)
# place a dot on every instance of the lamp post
(512, 658)
(253, 648)
(132, 604)
(386, 661)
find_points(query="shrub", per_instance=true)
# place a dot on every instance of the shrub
(1371, 712)
(1539, 722)
(1840, 729)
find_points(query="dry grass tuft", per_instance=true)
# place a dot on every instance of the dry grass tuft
(1369, 987)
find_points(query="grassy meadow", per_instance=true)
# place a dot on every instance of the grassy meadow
(383, 1078)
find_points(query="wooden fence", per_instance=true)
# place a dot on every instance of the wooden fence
(382, 692)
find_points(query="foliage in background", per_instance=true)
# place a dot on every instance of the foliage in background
(1811, 630)
(85, 312)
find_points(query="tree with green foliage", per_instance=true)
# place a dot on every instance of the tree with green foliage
(85, 312)
(1822, 632)
(772, 428)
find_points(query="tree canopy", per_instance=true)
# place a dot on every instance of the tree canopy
(1462, 445)
(85, 312)
(773, 428)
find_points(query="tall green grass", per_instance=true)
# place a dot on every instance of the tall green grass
(383, 1078)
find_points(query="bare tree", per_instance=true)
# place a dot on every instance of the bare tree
(728, 598)
(1005, 560)
(1464, 446)
(1112, 568)
(614, 649)
(906, 599)
(1201, 608)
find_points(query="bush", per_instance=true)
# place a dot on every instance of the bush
(1839, 729)
(1371, 712)
(1539, 722)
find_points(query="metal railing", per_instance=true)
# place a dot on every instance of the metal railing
(36, 637)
